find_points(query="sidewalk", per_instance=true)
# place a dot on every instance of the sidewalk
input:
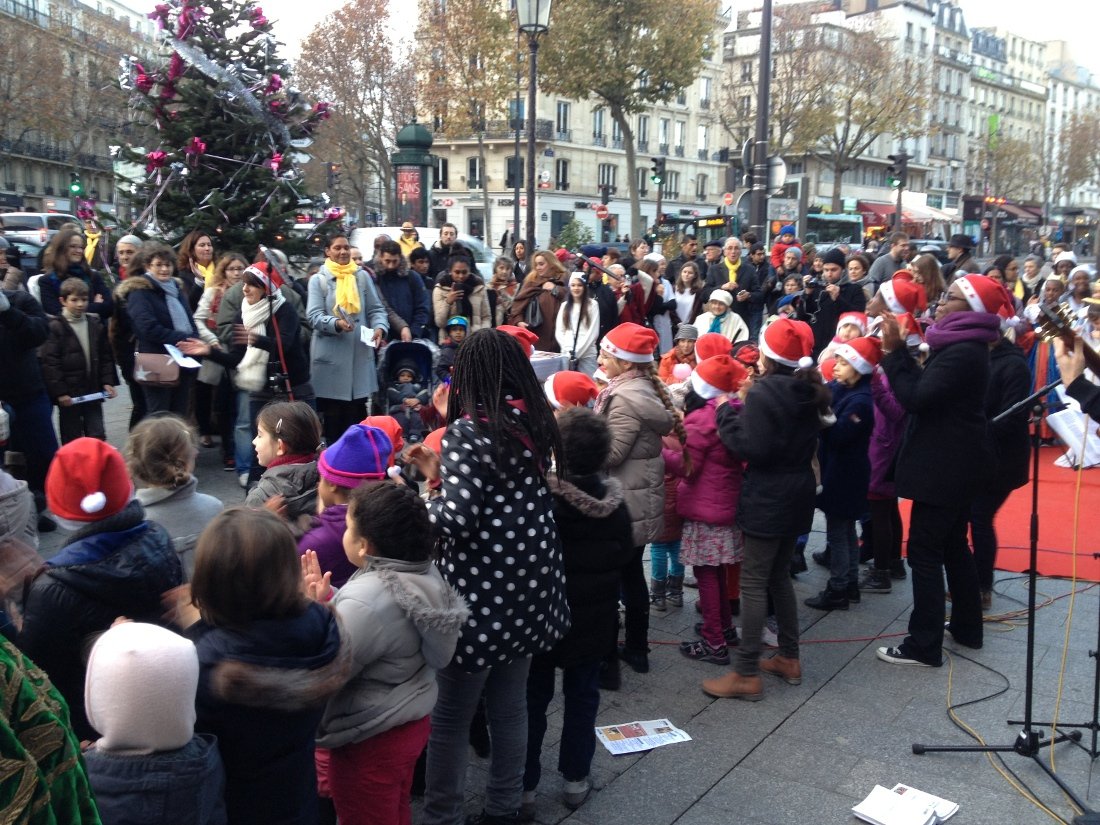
(807, 754)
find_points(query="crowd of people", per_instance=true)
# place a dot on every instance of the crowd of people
(418, 555)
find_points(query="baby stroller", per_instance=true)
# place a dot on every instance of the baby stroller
(397, 397)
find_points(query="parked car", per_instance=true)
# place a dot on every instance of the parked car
(30, 254)
(34, 226)
(483, 255)
(937, 249)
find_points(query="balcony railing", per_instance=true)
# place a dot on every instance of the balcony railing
(48, 190)
(504, 129)
(704, 103)
(616, 143)
(564, 135)
(643, 145)
(672, 196)
(663, 148)
(679, 151)
(473, 183)
(562, 186)
(704, 154)
(599, 139)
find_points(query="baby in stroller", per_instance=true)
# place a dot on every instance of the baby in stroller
(405, 396)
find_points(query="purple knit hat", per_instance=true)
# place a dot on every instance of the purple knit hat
(361, 454)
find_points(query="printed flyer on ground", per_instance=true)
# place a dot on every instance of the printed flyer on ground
(640, 736)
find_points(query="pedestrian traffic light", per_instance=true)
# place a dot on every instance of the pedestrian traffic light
(897, 173)
(658, 171)
(76, 186)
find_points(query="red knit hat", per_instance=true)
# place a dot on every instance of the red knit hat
(562, 254)
(789, 343)
(526, 338)
(862, 353)
(711, 344)
(718, 375)
(269, 277)
(902, 295)
(986, 295)
(631, 342)
(391, 427)
(856, 319)
(87, 481)
(827, 366)
(569, 389)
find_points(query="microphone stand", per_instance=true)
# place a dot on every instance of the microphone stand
(1029, 741)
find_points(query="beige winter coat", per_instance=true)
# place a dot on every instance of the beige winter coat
(637, 420)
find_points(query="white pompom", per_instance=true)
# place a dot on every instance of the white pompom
(924, 348)
(805, 362)
(394, 472)
(93, 502)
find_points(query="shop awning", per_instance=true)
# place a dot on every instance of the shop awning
(1022, 215)
(877, 213)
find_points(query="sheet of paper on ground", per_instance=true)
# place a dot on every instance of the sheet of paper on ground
(640, 736)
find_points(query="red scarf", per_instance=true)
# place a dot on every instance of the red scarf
(302, 458)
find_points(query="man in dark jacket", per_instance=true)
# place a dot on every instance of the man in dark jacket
(446, 248)
(738, 277)
(404, 294)
(940, 462)
(823, 304)
(23, 328)
(960, 249)
(689, 251)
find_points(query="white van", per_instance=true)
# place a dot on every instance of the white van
(363, 238)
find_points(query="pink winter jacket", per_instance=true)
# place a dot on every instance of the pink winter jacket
(711, 492)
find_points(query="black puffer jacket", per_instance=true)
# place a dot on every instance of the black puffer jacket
(119, 566)
(262, 691)
(776, 432)
(152, 320)
(595, 530)
(23, 328)
(64, 367)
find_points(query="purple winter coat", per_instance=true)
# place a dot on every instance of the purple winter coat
(711, 493)
(885, 437)
(326, 537)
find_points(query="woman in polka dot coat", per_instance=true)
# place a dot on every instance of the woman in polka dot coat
(499, 548)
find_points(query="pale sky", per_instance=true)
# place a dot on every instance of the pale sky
(1077, 21)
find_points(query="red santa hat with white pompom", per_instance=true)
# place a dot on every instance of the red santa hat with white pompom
(87, 481)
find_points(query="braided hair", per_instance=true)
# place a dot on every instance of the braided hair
(489, 369)
(650, 371)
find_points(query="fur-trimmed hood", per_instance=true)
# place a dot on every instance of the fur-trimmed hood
(586, 503)
(286, 665)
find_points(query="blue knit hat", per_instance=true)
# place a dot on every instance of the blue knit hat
(787, 230)
(361, 454)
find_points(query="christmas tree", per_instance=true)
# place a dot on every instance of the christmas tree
(228, 128)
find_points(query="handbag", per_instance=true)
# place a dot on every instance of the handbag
(156, 369)
(532, 313)
(211, 373)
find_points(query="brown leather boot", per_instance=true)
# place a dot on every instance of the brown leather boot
(787, 669)
(735, 686)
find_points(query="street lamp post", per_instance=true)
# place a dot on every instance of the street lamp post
(534, 20)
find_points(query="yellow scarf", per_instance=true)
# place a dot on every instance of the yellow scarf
(347, 288)
(89, 249)
(732, 268)
(1018, 288)
(207, 272)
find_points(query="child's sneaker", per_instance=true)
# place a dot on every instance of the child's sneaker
(700, 651)
(574, 793)
(770, 637)
(729, 634)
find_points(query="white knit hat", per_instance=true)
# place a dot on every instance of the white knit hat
(139, 692)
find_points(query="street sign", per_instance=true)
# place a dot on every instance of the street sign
(727, 199)
(602, 212)
(777, 175)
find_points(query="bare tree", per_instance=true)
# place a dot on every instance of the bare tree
(372, 90)
(1012, 168)
(467, 60)
(628, 54)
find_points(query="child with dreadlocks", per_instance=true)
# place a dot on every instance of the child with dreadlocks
(639, 412)
(501, 550)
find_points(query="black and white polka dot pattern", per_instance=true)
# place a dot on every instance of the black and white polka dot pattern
(500, 549)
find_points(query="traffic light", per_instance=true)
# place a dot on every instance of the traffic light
(658, 171)
(897, 173)
(605, 193)
(76, 186)
(333, 176)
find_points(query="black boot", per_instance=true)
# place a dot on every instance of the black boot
(798, 560)
(829, 600)
(824, 557)
(853, 593)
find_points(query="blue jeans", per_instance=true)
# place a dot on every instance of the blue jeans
(32, 434)
(581, 691)
(505, 689)
(243, 453)
(664, 559)
(840, 533)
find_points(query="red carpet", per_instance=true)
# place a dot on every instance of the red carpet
(1057, 489)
